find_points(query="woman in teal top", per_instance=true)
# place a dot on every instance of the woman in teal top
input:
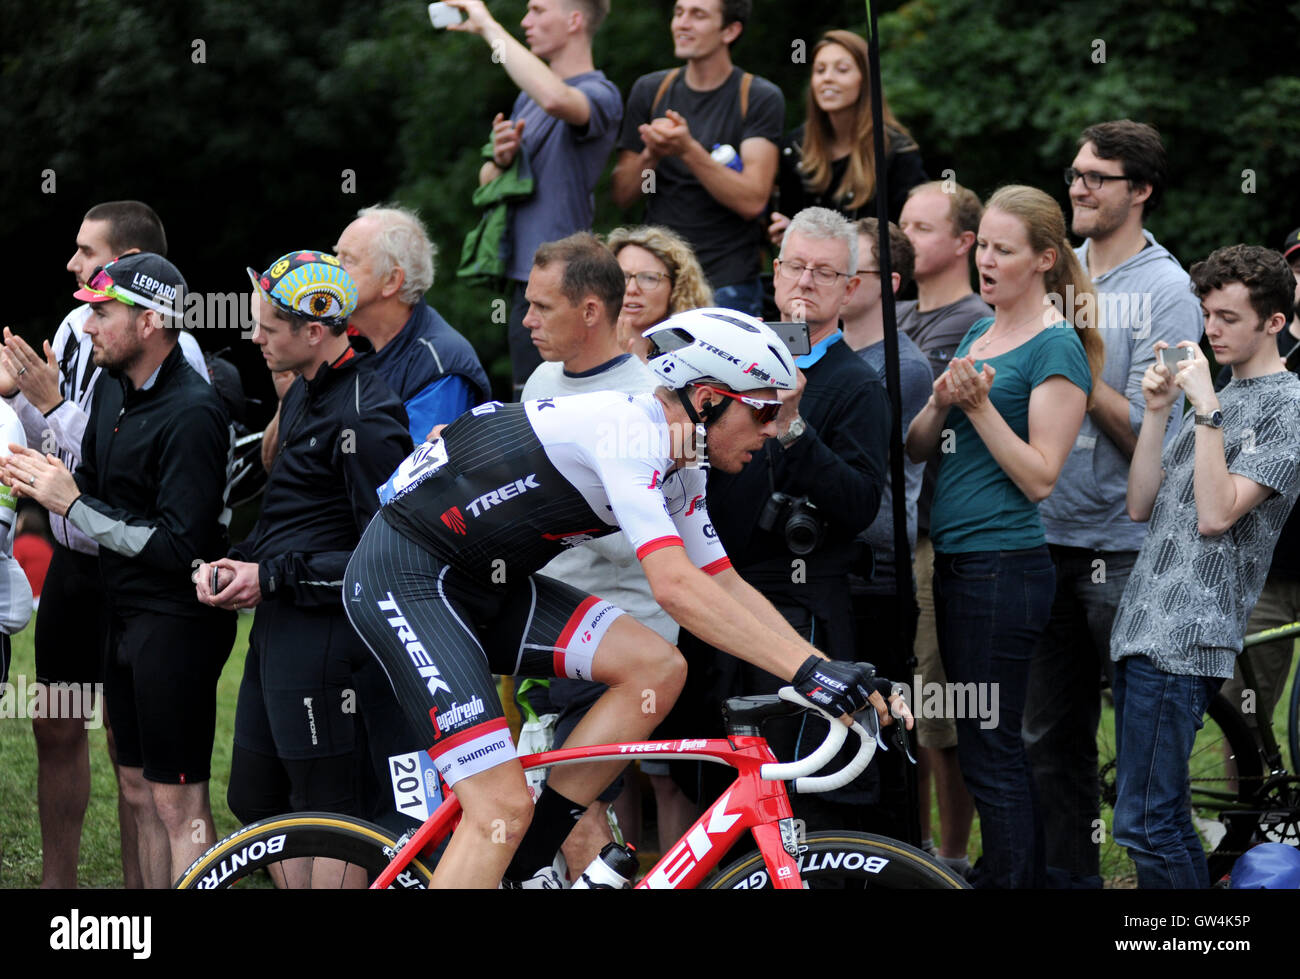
(1002, 420)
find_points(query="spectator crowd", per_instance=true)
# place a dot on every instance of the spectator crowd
(1091, 501)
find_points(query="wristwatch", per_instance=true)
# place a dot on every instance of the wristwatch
(793, 432)
(1214, 419)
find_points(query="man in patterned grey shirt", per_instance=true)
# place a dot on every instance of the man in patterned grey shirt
(1216, 500)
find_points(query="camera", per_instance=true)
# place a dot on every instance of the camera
(794, 517)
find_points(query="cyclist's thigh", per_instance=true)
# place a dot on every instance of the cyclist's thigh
(554, 629)
(416, 614)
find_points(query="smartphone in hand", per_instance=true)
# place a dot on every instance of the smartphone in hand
(216, 579)
(1175, 356)
(442, 15)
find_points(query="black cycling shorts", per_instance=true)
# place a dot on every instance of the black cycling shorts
(297, 699)
(70, 621)
(160, 686)
(440, 635)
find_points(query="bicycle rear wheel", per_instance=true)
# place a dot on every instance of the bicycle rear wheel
(1293, 720)
(834, 860)
(362, 850)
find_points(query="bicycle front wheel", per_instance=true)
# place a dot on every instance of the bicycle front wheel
(833, 860)
(356, 851)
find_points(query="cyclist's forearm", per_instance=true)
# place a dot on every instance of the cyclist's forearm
(757, 604)
(710, 612)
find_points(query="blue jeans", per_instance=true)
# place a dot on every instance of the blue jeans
(1063, 707)
(744, 296)
(1157, 715)
(991, 607)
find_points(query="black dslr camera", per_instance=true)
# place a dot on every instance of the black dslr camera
(796, 518)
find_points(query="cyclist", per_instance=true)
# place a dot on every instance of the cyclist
(442, 588)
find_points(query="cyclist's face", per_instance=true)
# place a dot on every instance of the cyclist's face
(555, 324)
(737, 436)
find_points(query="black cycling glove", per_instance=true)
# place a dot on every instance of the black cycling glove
(834, 685)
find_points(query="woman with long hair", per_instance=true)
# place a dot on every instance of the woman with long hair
(663, 277)
(830, 160)
(1002, 419)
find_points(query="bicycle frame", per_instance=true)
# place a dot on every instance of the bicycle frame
(752, 803)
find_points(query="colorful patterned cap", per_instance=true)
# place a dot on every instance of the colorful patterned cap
(312, 285)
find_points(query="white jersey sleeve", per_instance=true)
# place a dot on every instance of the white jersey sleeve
(615, 450)
(15, 592)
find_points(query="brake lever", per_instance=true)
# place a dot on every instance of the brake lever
(900, 728)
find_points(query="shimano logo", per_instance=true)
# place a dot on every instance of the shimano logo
(502, 493)
(481, 753)
(459, 713)
(414, 648)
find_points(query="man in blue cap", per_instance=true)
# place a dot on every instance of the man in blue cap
(343, 432)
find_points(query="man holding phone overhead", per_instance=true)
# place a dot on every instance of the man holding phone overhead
(565, 118)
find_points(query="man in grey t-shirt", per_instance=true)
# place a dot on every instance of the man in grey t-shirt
(1116, 179)
(565, 118)
(1216, 498)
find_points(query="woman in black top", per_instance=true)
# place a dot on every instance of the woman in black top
(830, 160)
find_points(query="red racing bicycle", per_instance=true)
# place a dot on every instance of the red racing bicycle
(756, 802)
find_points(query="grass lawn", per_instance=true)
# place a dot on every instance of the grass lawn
(101, 864)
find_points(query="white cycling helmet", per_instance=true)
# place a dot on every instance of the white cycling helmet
(723, 346)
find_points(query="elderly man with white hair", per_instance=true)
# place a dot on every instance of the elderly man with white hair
(429, 366)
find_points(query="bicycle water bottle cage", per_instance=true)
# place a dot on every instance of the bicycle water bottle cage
(743, 715)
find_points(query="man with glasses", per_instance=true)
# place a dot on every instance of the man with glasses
(1116, 179)
(790, 517)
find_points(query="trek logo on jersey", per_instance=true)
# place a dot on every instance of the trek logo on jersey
(697, 503)
(456, 714)
(454, 520)
(496, 497)
(414, 648)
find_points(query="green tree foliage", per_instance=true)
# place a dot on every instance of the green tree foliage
(999, 92)
(245, 153)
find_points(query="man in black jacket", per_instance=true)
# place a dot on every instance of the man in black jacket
(343, 433)
(790, 517)
(149, 490)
